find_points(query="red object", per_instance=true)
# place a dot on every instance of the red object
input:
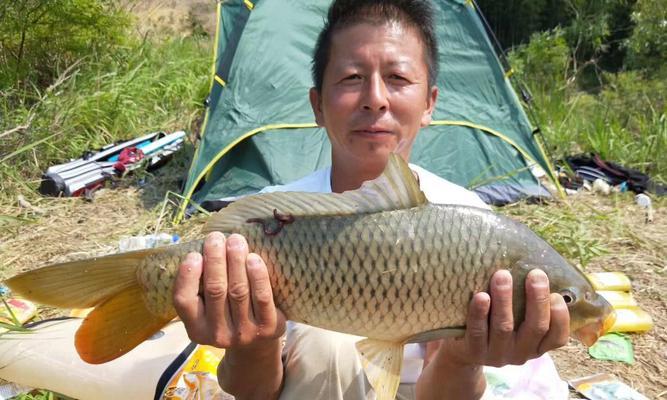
(127, 156)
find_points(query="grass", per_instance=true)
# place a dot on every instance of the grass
(40, 395)
(587, 229)
(153, 85)
(626, 122)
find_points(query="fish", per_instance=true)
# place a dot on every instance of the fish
(379, 262)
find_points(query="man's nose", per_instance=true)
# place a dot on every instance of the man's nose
(375, 94)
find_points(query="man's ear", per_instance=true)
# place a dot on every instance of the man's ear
(316, 105)
(431, 99)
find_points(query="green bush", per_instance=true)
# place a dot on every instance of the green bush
(153, 85)
(647, 47)
(624, 120)
(545, 59)
(40, 38)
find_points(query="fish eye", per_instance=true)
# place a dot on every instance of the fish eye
(568, 296)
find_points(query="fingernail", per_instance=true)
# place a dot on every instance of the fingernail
(216, 238)
(253, 260)
(538, 277)
(192, 258)
(503, 280)
(557, 301)
(235, 242)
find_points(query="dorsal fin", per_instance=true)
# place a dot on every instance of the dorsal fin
(396, 188)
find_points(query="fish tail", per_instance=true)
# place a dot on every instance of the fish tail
(79, 284)
(120, 320)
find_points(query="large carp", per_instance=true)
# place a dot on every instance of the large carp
(379, 262)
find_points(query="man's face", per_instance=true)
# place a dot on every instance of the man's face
(375, 95)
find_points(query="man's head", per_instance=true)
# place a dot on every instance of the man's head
(415, 14)
(374, 66)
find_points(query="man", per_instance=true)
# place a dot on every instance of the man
(375, 66)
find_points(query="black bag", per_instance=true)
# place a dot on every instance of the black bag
(592, 166)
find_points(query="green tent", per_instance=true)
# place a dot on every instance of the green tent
(259, 129)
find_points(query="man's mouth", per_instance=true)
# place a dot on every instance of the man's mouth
(372, 131)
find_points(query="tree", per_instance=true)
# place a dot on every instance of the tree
(39, 38)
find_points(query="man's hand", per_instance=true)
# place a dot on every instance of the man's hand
(490, 338)
(234, 309)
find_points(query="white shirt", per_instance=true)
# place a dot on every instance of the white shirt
(436, 189)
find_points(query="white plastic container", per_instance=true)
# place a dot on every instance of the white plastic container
(130, 243)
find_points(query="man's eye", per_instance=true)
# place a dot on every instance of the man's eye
(397, 77)
(353, 77)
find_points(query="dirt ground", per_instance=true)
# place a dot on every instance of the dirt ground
(641, 253)
(48, 230)
(175, 16)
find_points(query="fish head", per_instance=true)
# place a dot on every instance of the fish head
(591, 315)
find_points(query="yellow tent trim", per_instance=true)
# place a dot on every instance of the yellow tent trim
(224, 151)
(220, 80)
(470, 3)
(248, 4)
(525, 155)
(509, 73)
(488, 130)
(253, 132)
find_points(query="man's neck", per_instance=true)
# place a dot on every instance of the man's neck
(344, 178)
(351, 174)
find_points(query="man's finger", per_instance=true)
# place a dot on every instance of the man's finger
(187, 302)
(559, 328)
(477, 327)
(501, 325)
(269, 320)
(538, 315)
(238, 293)
(215, 289)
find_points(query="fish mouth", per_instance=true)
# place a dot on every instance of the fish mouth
(590, 333)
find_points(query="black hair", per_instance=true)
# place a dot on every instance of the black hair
(416, 14)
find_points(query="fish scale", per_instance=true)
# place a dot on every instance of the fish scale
(361, 274)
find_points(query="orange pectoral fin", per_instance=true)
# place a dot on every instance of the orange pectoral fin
(116, 326)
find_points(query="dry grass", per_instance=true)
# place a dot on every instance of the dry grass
(175, 16)
(53, 230)
(60, 229)
(631, 246)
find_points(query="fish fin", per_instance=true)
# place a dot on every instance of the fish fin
(436, 334)
(382, 361)
(117, 326)
(79, 284)
(396, 188)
